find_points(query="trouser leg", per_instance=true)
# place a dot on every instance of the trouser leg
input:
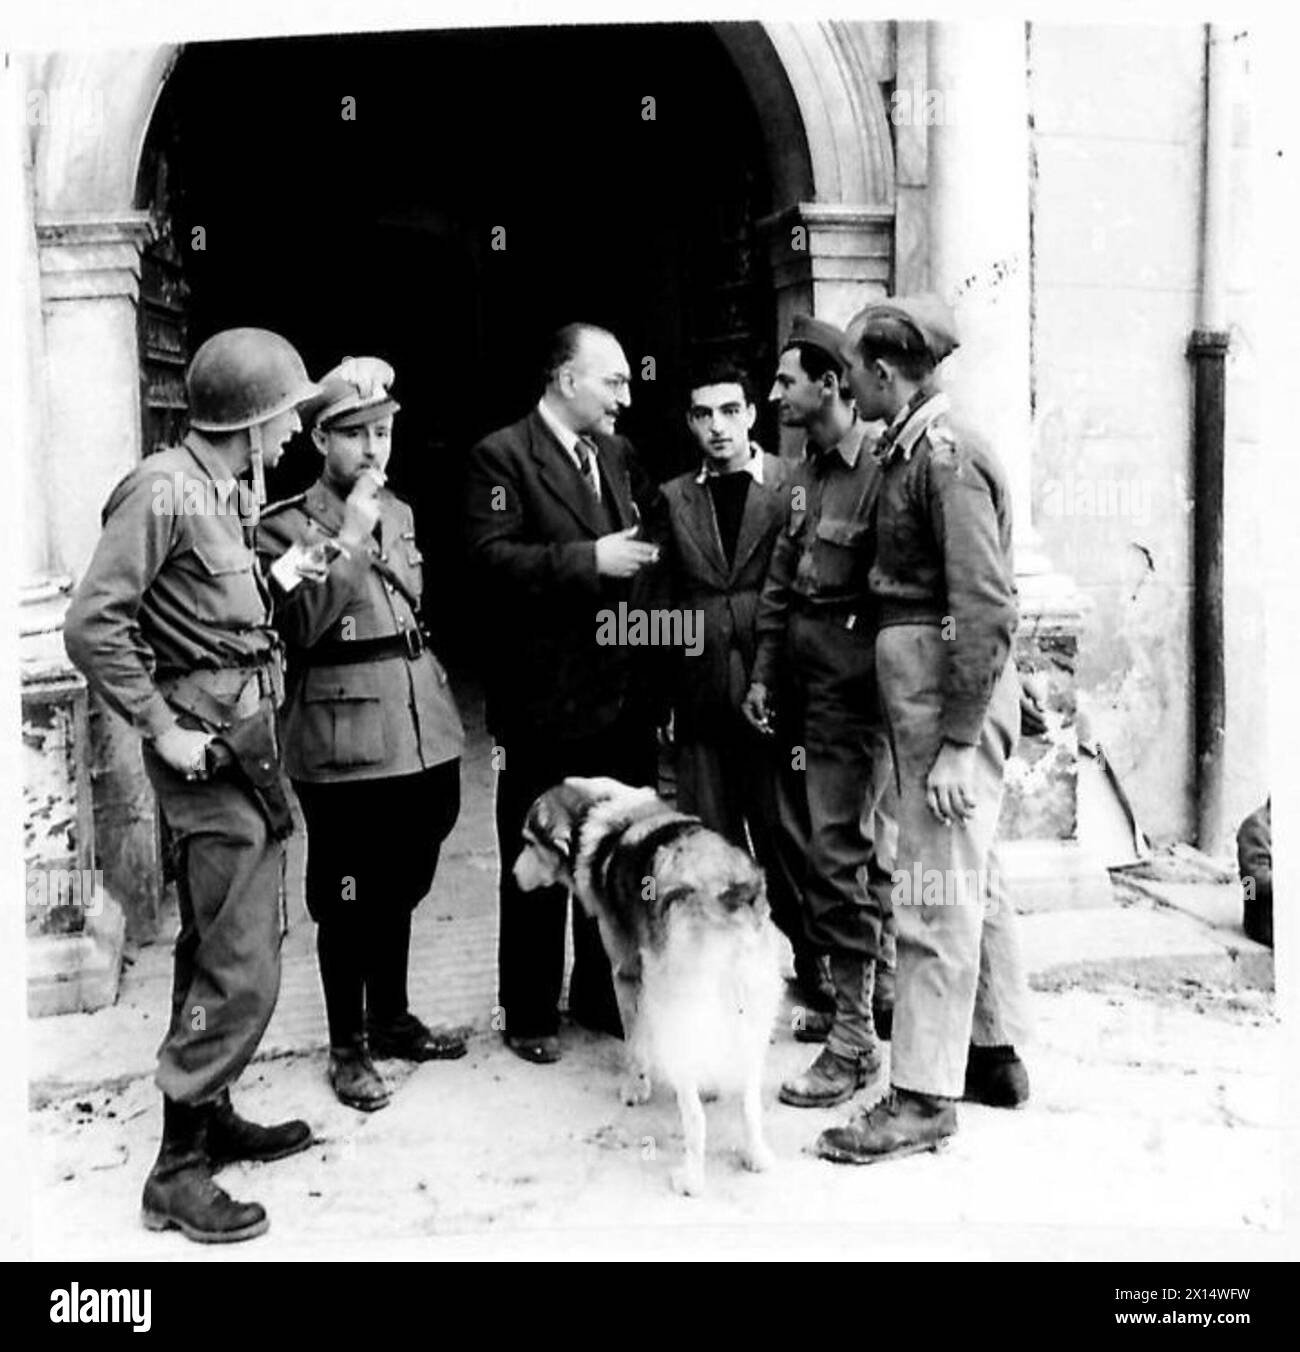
(627, 752)
(342, 892)
(226, 974)
(340, 959)
(530, 951)
(1001, 1017)
(431, 798)
(709, 786)
(941, 892)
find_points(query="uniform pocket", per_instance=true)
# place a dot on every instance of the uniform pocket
(225, 588)
(841, 554)
(342, 723)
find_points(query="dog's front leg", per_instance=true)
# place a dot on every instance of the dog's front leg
(689, 1179)
(758, 1154)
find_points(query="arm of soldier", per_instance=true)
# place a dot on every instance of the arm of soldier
(773, 613)
(980, 591)
(495, 534)
(101, 630)
(304, 614)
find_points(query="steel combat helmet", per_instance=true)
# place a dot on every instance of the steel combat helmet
(242, 377)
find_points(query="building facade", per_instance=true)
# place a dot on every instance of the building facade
(1081, 196)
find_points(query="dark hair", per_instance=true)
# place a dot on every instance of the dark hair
(817, 362)
(891, 338)
(720, 371)
(564, 344)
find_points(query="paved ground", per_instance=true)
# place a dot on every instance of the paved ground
(1148, 1114)
(1156, 1112)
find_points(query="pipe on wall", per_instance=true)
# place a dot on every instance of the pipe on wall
(1208, 350)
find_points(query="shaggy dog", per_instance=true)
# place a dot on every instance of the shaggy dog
(684, 919)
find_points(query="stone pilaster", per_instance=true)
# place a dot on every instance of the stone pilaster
(90, 285)
(978, 225)
(826, 258)
(89, 289)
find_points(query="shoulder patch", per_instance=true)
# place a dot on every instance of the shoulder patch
(272, 508)
(943, 441)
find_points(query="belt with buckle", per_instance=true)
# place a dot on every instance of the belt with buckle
(846, 614)
(410, 643)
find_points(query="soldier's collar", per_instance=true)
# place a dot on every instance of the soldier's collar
(901, 436)
(208, 457)
(848, 447)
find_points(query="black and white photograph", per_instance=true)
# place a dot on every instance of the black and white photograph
(643, 635)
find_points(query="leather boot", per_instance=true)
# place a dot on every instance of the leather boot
(814, 1010)
(180, 1193)
(231, 1137)
(882, 1001)
(355, 1080)
(831, 1079)
(902, 1123)
(996, 1076)
(851, 1056)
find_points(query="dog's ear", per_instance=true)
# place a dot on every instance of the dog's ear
(552, 821)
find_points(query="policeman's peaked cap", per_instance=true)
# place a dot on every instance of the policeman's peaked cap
(241, 377)
(909, 325)
(344, 404)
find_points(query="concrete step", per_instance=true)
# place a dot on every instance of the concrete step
(1143, 944)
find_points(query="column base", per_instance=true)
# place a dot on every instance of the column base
(1053, 875)
(77, 973)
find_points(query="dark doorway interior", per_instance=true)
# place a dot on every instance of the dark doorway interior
(374, 234)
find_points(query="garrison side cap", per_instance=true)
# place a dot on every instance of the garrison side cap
(929, 318)
(819, 334)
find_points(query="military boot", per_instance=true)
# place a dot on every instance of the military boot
(902, 1123)
(996, 1077)
(882, 1001)
(814, 1009)
(231, 1137)
(354, 1079)
(851, 1057)
(831, 1079)
(180, 1193)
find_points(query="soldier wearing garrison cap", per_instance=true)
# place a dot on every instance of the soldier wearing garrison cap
(944, 587)
(372, 733)
(814, 689)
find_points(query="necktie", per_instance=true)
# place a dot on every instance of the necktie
(587, 454)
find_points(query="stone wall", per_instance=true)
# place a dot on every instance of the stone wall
(1117, 136)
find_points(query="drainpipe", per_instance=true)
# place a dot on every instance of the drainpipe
(1208, 350)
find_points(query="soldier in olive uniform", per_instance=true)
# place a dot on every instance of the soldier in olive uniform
(815, 674)
(945, 587)
(171, 625)
(372, 735)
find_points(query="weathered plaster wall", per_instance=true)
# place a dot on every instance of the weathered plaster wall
(1117, 118)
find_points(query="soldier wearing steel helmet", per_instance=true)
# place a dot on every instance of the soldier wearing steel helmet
(371, 730)
(171, 625)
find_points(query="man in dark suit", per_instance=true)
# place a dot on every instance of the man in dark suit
(723, 521)
(553, 515)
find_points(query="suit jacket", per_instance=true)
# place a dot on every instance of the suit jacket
(532, 527)
(393, 715)
(711, 685)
